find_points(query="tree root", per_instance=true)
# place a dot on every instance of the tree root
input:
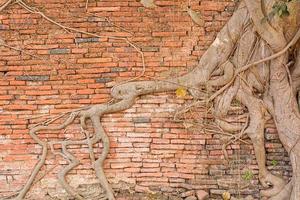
(98, 166)
(62, 174)
(277, 185)
(285, 193)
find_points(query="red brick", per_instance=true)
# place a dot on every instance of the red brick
(40, 93)
(101, 9)
(6, 97)
(79, 51)
(93, 60)
(85, 91)
(20, 107)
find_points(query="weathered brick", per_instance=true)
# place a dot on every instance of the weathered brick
(202, 195)
(4, 27)
(59, 51)
(103, 80)
(150, 49)
(86, 40)
(33, 78)
(118, 69)
(141, 120)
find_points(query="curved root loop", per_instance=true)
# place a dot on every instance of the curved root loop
(285, 193)
(277, 184)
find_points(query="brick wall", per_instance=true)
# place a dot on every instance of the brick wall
(58, 71)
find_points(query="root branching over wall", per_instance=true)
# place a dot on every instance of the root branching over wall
(254, 60)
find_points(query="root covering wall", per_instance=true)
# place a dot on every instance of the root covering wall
(46, 71)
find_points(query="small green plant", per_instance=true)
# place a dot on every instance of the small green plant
(279, 8)
(274, 163)
(248, 175)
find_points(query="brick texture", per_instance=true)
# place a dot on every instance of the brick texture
(149, 150)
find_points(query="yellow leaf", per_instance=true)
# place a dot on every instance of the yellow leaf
(181, 92)
(226, 196)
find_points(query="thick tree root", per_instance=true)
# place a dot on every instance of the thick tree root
(285, 193)
(255, 131)
(98, 165)
(42, 160)
(62, 174)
